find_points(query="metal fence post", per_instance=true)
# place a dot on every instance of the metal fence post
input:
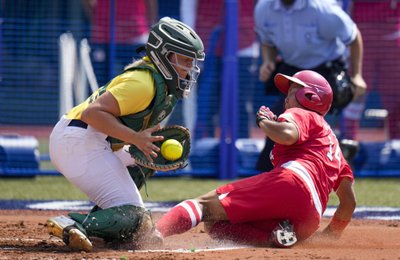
(229, 98)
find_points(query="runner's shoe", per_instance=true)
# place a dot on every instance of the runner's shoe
(63, 227)
(283, 235)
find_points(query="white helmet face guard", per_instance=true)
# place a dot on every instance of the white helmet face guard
(192, 72)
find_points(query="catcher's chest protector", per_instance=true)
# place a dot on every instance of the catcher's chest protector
(160, 107)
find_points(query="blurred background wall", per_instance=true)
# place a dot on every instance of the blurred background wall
(54, 53)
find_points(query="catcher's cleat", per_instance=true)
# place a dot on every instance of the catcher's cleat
(63, 227)
(283, 235)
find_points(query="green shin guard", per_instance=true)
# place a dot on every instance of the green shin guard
(116, 223)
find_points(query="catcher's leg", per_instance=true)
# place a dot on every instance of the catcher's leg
(126, 223)
(73, 234)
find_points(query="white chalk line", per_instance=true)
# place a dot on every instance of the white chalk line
(180, 250)
(183, 250)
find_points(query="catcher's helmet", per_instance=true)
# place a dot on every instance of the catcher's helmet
(172, 36)
(316, 94)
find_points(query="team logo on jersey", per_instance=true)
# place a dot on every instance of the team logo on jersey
(161, 116)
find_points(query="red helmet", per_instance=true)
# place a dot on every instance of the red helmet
(316, 94)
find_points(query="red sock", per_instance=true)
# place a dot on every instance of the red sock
(239, 233)
(180, 218)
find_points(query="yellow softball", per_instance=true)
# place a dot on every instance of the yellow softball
(171, 149)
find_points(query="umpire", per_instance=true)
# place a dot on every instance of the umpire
(309, 34)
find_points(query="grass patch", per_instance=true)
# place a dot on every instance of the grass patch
(369, 191)
(39, 188)
(376, 192)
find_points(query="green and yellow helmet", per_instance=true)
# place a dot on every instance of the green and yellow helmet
(172, 36)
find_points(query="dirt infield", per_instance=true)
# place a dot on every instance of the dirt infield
(23, 236)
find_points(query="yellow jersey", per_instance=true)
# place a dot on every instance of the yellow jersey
(134, 90)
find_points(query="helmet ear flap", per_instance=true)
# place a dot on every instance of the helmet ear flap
(308, 98)
(312, 97)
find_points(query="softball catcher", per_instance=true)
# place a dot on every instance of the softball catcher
(109, 145)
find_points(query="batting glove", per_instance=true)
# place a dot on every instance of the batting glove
(264, 113)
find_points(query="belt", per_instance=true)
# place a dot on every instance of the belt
(327, 65)
(78, 123)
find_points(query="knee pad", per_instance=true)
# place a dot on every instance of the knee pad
(115, 224)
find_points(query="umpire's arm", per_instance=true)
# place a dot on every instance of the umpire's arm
(344, 212)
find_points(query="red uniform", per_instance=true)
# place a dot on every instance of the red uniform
(298, 187)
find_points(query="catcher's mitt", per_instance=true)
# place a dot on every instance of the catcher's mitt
(179, 133)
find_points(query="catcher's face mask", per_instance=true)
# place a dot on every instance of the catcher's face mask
(170, 39)
(187, 70)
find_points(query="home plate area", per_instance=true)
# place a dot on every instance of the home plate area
(372, 234)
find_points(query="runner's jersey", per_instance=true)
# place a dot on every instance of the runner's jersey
(133, 90)
(317, 150)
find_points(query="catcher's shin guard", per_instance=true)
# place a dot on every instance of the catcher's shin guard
(66, 229)
(116, 224)
(283, 235)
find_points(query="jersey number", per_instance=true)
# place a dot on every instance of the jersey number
(333, 154)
